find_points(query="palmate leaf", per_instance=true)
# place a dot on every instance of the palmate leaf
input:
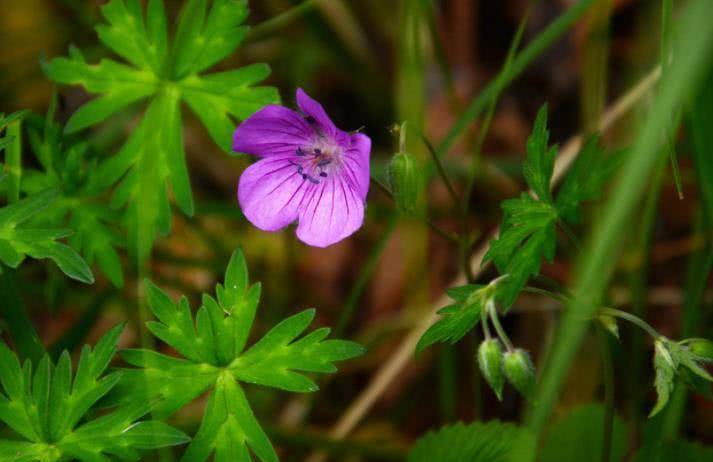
(47, 408)
(153, 159)
(214, 357)
(476, 442)
(18, 239)
(67, 165)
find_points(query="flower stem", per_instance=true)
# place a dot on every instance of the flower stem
(634, 320)
(439, 167)
(490, 306)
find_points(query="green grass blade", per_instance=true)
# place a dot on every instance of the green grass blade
(595, 267)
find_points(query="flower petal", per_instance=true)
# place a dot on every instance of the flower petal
(270, 191)
(313, 109)
(272, 131)
(332, 211)
(356, 164)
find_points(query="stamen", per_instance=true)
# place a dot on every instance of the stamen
(324, 162)
(300, 152)
(317, 152)
(323, 174)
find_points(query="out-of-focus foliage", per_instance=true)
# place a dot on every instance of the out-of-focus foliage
(49, 409)
(165, 73)
(67, 165)
(19, 239)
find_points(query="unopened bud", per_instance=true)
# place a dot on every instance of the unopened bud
(490, 360)
(405, 181)
(520, 372)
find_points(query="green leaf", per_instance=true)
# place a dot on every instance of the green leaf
(212, 343)
(585, 179)
(540, 162)
(578, 437)
(475, 442)
(229, 428)
(18, 240)
(152, 161)
(527, 235)
(67, 165)
(46, 408)
(665, 364)
(459, 318)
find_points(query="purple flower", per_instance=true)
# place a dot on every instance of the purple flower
(309, 172)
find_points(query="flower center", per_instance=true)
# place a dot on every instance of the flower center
(317, 162)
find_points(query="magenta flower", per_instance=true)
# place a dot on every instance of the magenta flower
(309, 172)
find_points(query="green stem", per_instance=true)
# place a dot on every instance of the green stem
(490, 306)
(271, 25)
(538, 46)
(439, 166)
(608, 377)
(634, 320)
(500, 84)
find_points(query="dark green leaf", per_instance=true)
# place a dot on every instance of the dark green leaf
(459, 318)
(476, 442)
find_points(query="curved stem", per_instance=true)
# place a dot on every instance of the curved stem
(634, 320)
(490, 306)
(439, 167)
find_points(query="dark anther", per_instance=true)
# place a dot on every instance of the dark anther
(313, 180)
(300, 152)
(324, 162)
(317, 152)
(300, 169)
(310, 119)
(323, 174)
(304, 176)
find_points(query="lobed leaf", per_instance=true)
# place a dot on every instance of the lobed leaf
(476, 442)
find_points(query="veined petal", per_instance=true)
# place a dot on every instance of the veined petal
(272, 131)
(270, 192)
(322, 122)
(356, 164)
(331, 212)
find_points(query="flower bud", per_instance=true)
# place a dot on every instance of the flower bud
(490, 360)
(520, 372)
(405, 181)
(701, 348)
